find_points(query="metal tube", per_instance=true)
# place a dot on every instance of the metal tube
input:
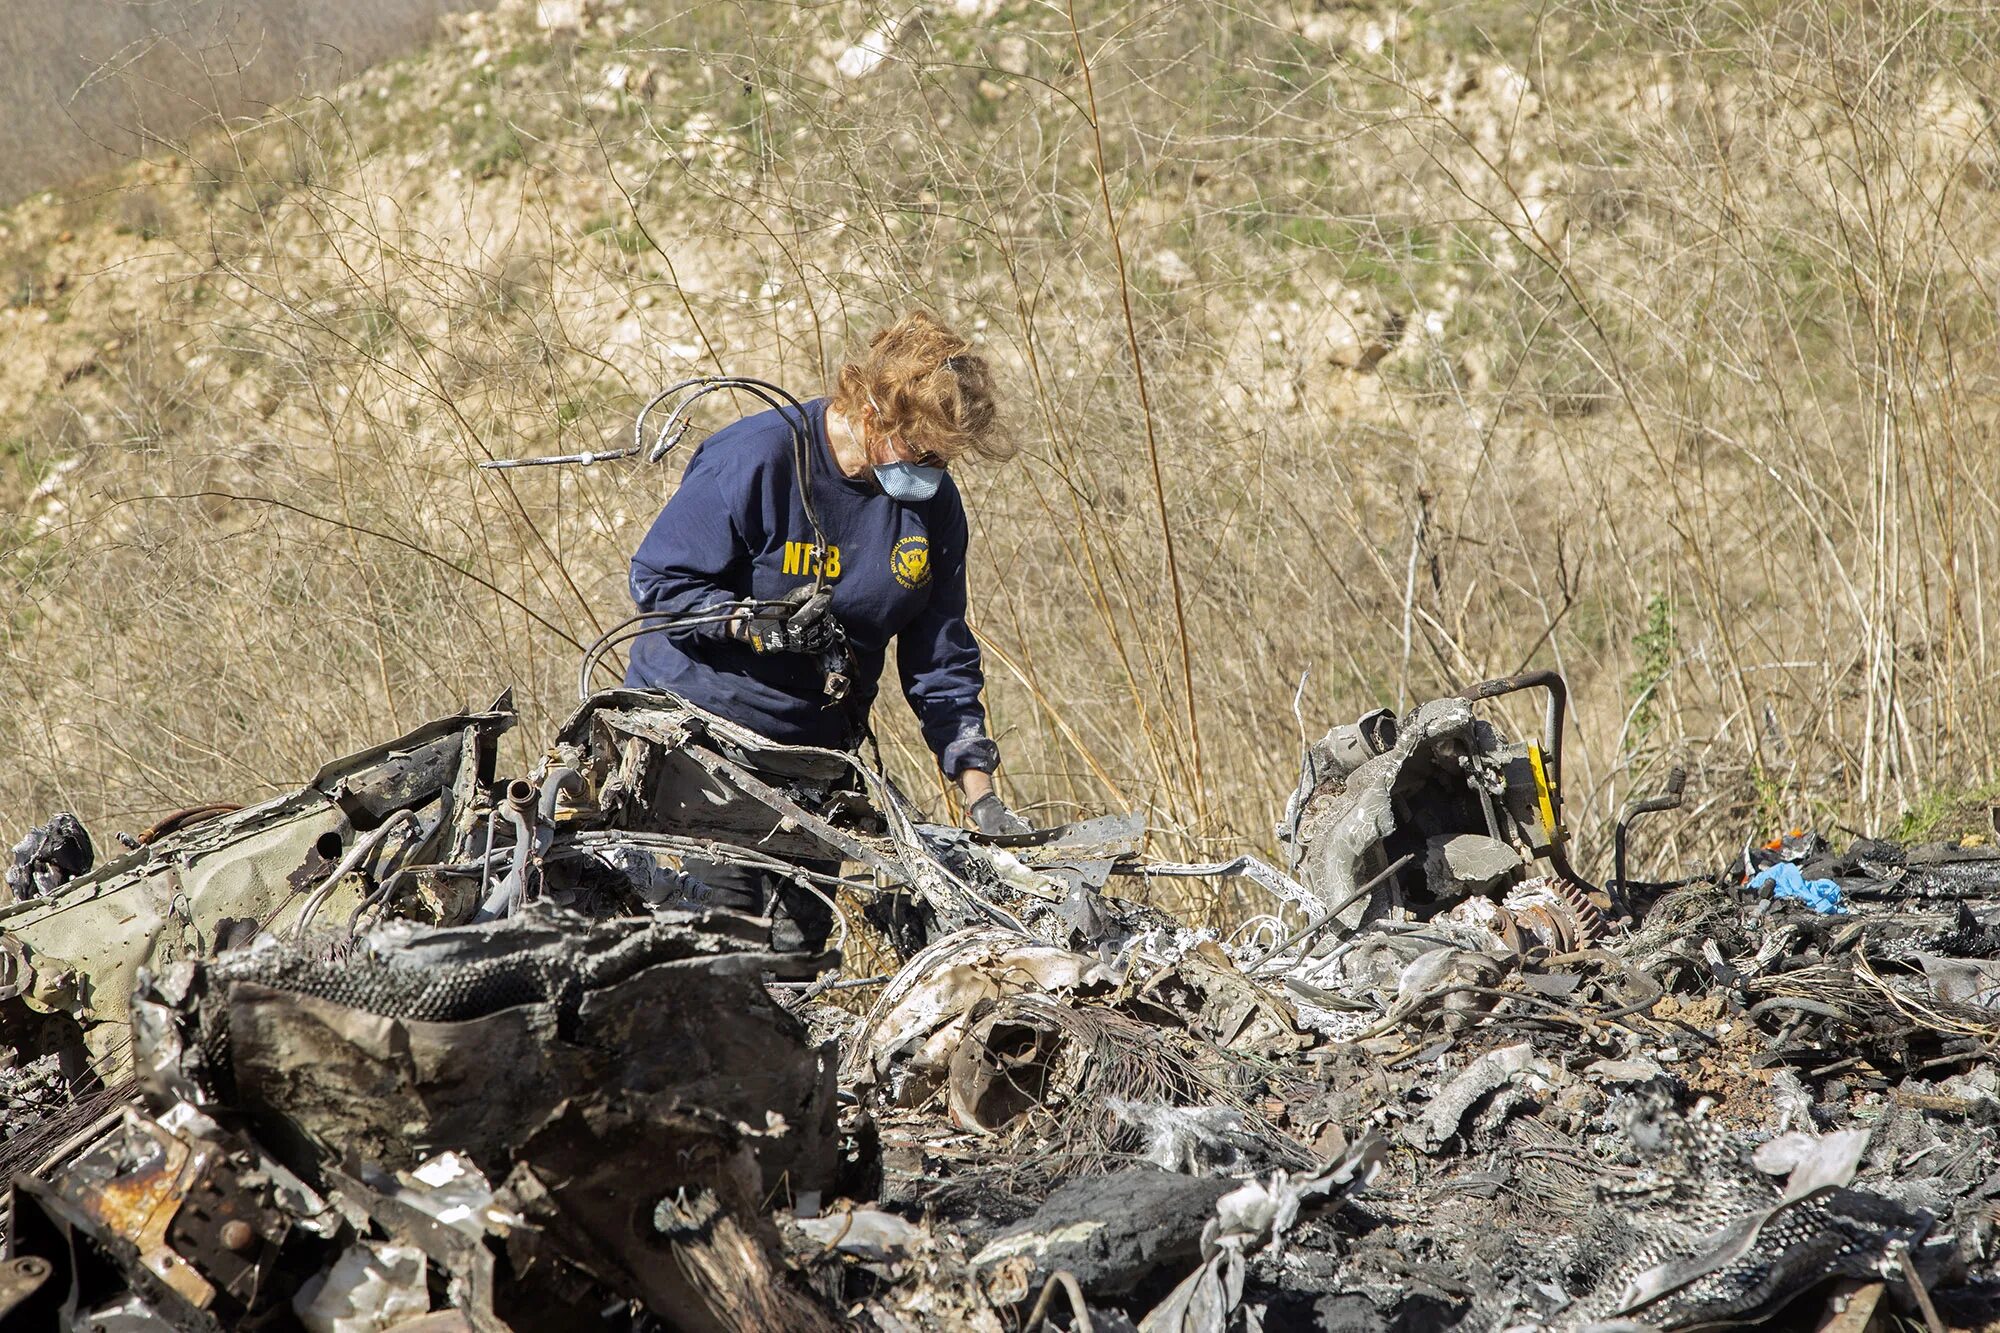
(639, 422)
(557, 781)
(584, 459)
(769, 394)
(1670, 799)
(518, 809)
(1552, 722)
(689, 392)
(1312, 929)
(630, 628)
(385, 892)
(486, 853)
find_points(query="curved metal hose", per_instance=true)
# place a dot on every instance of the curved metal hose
(671, 432)
(1669, 799)
(777, 399)
(1552, 741)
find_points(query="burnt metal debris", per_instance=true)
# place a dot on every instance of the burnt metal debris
(423, 1046)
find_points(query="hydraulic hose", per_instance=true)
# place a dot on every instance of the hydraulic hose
(558, 781)
(778, 400)
(675, 427)
(671, 431)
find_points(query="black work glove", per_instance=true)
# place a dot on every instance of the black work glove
(991, 816)
(811, 628)
(803, 628)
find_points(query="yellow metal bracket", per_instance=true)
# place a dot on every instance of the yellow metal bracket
(1544, 793)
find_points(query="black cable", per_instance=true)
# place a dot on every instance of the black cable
(630, 628)
(799, 421)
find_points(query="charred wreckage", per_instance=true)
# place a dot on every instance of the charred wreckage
(422, 1047)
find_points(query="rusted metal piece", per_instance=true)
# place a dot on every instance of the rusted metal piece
(199, 1224)
(467, 1034)
(228, 1230)
(1552, 924)
(439, 1321)
(138, 1203)
(185, 817)
(1669, 799)
(1591, 927)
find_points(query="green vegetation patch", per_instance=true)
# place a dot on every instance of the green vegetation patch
(1949, 814)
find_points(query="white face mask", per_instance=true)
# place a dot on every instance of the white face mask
(909, 483)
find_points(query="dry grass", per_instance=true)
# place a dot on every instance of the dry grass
(1655, 343)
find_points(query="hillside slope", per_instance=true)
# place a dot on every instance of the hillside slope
(94, 83)
(1659, 349)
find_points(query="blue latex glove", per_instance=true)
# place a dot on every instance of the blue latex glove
(1784, 881)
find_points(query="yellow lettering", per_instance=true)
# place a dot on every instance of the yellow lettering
(808, 559)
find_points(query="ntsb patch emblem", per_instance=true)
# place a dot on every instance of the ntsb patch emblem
(910, 561)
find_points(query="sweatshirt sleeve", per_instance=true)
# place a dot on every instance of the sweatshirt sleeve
(694, 557)
(938, 658)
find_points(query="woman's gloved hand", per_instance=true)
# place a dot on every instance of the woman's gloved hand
(991, 816)
(804, 628)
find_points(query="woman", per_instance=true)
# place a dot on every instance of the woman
(918, 401)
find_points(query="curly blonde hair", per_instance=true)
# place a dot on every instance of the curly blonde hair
(928, 389)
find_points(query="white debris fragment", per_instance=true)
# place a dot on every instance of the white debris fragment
(370, 1288)
(1194, 1140)
(868, 1234)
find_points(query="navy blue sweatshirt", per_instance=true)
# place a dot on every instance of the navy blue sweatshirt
(736, 529)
